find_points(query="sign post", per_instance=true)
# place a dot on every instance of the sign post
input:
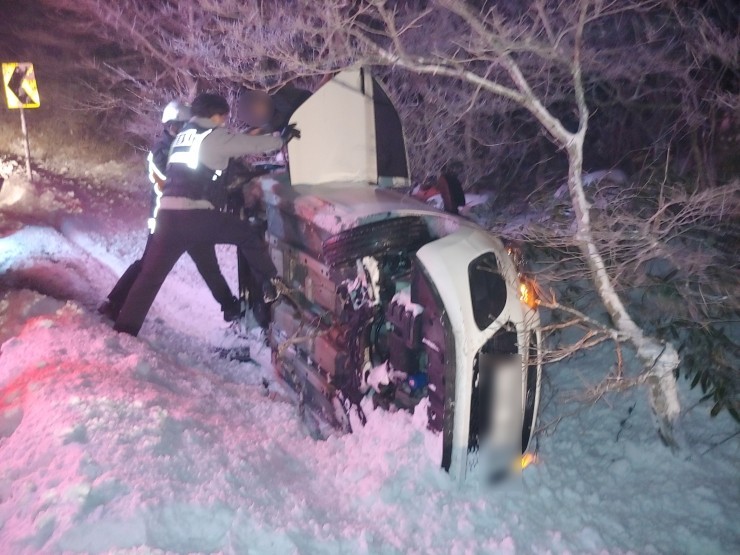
(26, 144)
(21, 92)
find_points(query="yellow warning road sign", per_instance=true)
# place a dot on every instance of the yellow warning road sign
(19, 81)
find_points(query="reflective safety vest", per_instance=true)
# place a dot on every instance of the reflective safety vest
(186, 175)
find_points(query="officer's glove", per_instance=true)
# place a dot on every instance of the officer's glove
(289, 132)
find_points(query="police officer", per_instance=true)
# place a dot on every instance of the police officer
(176, 114)
(187, 217)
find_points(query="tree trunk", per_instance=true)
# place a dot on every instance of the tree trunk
(660, 359)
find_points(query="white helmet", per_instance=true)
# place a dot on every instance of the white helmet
(176, 111)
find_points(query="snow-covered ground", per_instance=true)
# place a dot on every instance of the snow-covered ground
(114, 444)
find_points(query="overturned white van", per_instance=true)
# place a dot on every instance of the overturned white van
(397, 300)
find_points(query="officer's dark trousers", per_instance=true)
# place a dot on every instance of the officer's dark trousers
(204, 257)
(180, 231)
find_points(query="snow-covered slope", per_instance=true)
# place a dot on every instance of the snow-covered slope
(111, 444)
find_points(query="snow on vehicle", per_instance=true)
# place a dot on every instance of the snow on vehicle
(389, 295)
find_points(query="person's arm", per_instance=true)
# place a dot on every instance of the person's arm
(221, 145)
(238, 144)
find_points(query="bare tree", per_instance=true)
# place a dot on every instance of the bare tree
(667, 248)
(647, 68)
(147, 53)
